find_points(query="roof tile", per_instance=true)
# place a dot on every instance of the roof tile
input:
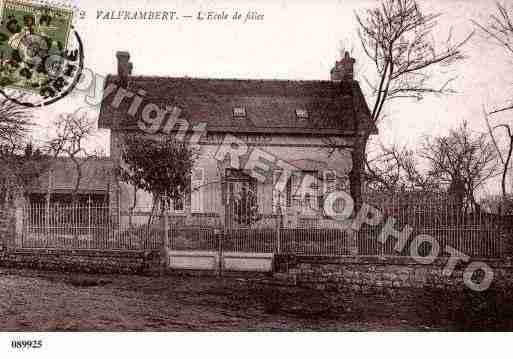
(269, 104)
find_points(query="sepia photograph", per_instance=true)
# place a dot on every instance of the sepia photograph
(254, 166)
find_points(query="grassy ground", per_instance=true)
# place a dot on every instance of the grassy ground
(49, 301)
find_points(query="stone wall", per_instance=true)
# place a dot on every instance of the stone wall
(7, 227)
(90, 261)
(87, 261)
(367, 274)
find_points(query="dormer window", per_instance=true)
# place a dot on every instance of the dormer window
(239, 113)
(301, 114)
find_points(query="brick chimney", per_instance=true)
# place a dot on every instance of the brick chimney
(124, 67)
(343, 70)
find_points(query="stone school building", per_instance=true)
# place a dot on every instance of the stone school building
(247, 133)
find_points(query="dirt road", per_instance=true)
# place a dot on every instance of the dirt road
(47, 301)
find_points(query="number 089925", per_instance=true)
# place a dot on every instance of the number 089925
(26, 344)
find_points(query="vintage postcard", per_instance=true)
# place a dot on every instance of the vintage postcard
(220, 166)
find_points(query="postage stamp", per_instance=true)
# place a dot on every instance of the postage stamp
(34, 54)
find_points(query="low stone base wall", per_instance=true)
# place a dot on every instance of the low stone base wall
(7, 227)
(87, 261)
(367, 274)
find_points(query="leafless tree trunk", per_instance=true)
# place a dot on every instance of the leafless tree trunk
(132, 208)
(393, 169)
(397, 37)
(463, 161)
(72, 130)
(499, 30)
(509, 152)
(357, 170)
(15, 122)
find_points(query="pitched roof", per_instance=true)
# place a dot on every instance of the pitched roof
(95, 177)
(270, 105)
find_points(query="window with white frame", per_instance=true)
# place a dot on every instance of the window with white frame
(239, 112)
(330, 181)
(308, 194)
(281, 191)
(301, 191)
(177, 205)
(301, 114)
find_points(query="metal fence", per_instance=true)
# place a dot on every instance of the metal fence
(473, 241)
(267, 236)
(103, 228)
(473, 233)
(62, 226)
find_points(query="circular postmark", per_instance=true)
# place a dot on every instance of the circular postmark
(41, 53)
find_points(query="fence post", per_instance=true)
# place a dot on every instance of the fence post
(278, 228)
(89, 217)
(225, 208)
(382, 207)
(165, 245)
(353, 237)
(19, 215)
(278, 234)
(166, 228)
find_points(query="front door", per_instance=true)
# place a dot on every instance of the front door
(242, 204)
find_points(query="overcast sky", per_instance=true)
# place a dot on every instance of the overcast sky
(295, 40)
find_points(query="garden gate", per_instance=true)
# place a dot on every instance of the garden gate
(240, 242)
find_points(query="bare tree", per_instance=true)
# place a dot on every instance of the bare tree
(397, 37)
(19, 170)
(15, 122)
(505, 160)
(461, 161)
(499, 30)
(393, 169)
(72, 132)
